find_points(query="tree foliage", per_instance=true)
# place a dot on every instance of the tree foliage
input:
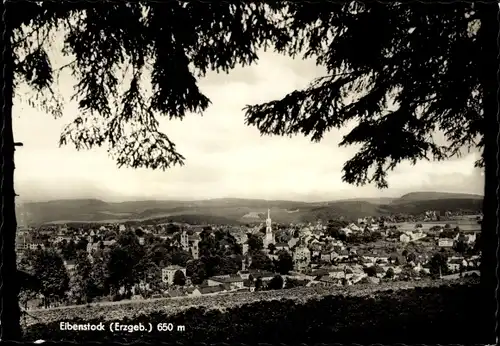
(389, 274)
(48, 267)
(83, 286)
(438, 264)
(461, 246)
(179, 278)
(284, 263)
(255, 243)
(261, 261)
(374, 62)
(163, 47)
(276, 283)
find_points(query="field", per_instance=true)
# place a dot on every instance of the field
(464, 225)
(420, 312)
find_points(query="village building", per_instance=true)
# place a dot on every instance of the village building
(168, 273)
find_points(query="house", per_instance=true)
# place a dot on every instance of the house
(404, 238)
(349, 273)
(315, 273)
(249, 285)
(470, 237)
(454, 264)
(380, 272)
(144, 286)
(263, 275)
(353, 228)
(341, 253)
(245, 249)
(108, 243)
(233, 281)
(195, 250)
(292, 242)
(168, 273)
(369, 280)
(244, 274)
(195, 292)
(301, 257)
(92, 247)
(354, 279)
(368, 255)
(337, 273)
(23, 241)
(445, 242)
(35, 244)
(330, 281)
(241, 290)
(61, 238)
(175, 293)
(327, 256)
(381, 258)
(211, 290)
(397, 258)
(419, 268)
(282, 246)
(70, 266)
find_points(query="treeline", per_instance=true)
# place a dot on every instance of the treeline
(447, 314)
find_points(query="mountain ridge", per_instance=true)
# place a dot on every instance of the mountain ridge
(238, 210)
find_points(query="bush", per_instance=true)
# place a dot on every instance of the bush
(425, 315)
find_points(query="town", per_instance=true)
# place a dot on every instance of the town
(113, 262)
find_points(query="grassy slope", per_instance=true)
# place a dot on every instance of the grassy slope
(425, 312)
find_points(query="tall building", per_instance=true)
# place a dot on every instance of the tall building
(269, 238)
(195, 249)
(21, 214)
(185, 240)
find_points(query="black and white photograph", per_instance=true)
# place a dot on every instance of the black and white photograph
(250, 172)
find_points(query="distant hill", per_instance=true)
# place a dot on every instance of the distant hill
(440, 205)
(426, 196)
(241, 211)
(381, 200)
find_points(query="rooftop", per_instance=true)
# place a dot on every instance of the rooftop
(173, 267)
(211, 289)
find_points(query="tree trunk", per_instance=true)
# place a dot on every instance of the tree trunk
(488, 36)
(9, 288)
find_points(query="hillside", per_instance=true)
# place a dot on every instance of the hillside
(239, 211)
(427, 196)
(440, 205)
(390, 313)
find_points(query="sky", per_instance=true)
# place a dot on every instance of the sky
(224, 157)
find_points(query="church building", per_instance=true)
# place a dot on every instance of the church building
(269, 237)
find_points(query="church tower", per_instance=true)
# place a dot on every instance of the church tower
(269, 238)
